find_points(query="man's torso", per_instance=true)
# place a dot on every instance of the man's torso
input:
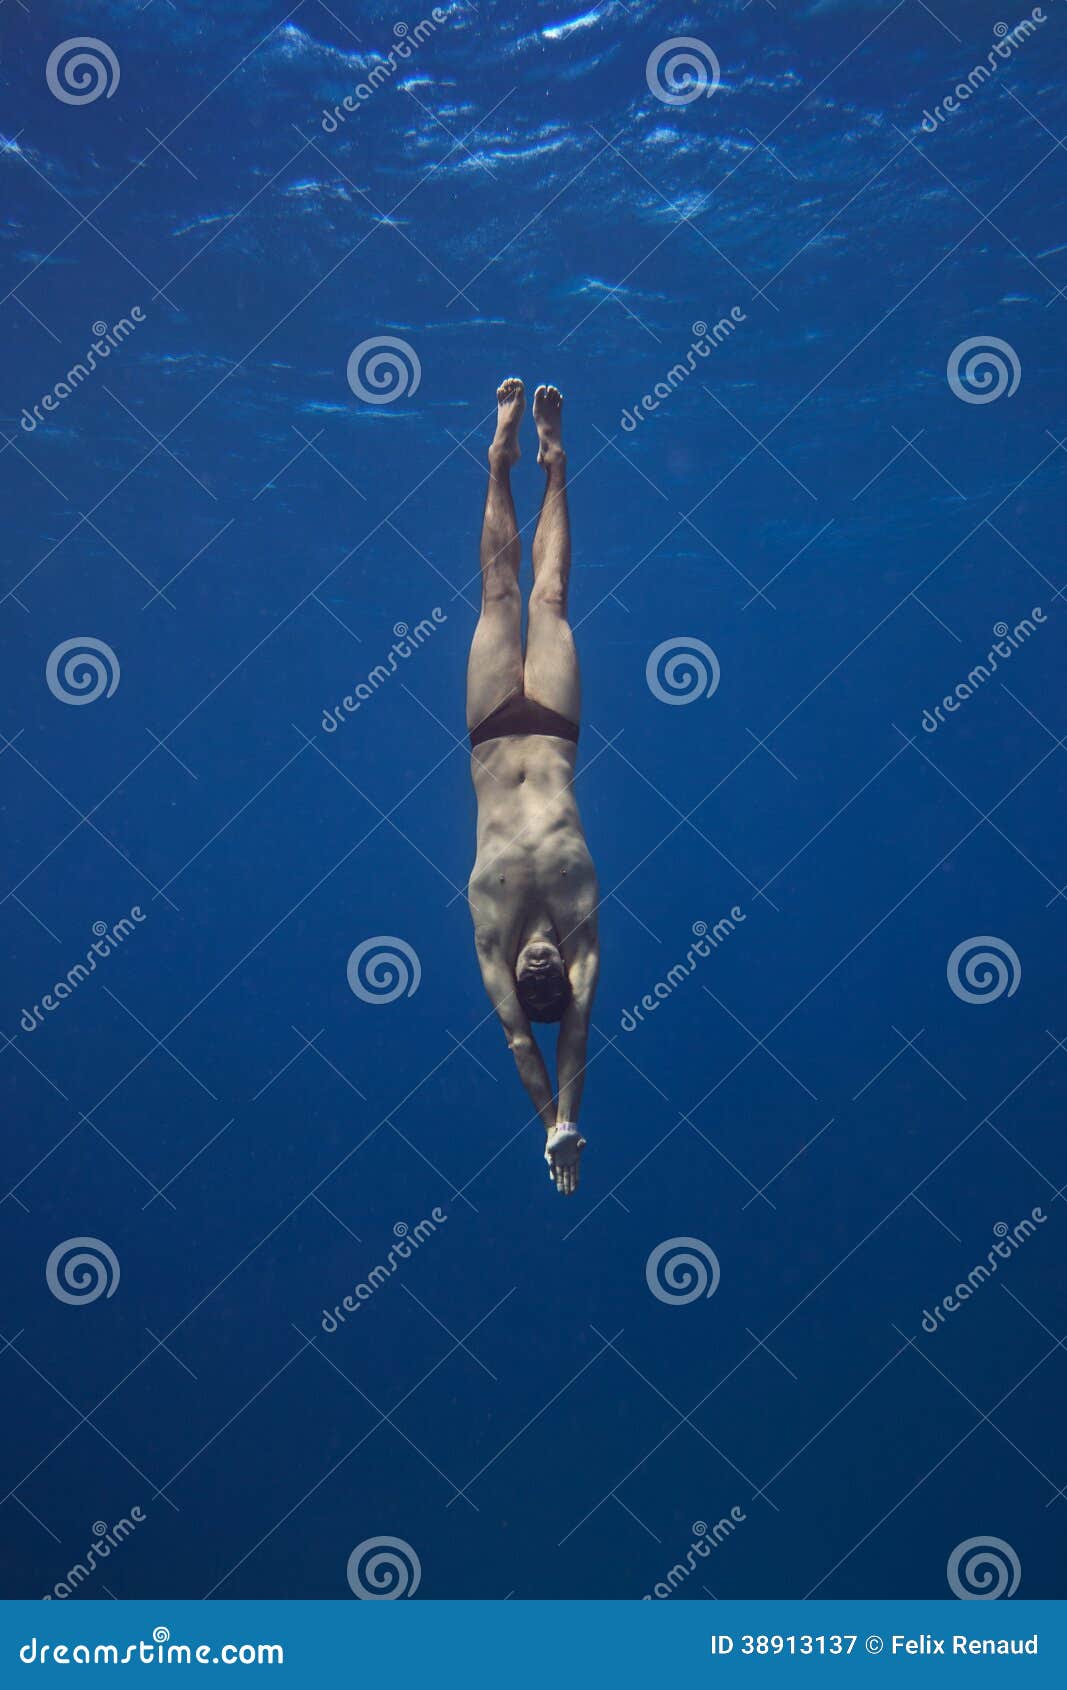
(532, 858)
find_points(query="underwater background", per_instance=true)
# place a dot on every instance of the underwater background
(730, 1354)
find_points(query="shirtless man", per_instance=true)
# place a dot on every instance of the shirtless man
(533, 888)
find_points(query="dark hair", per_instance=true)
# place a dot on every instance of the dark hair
(544, 999)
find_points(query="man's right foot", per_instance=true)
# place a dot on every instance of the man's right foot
(510, 402)
(548, 415)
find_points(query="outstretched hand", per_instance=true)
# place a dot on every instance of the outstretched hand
(562, 1149)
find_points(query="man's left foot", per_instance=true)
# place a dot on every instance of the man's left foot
(548, 415)
(563, 1147)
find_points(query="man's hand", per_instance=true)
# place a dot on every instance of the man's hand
(562, 1150)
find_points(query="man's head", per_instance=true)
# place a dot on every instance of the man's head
(541, 981)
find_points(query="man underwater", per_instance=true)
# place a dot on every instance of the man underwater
(533, 890)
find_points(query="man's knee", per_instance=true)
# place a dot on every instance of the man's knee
(500, 591)
(549, 594)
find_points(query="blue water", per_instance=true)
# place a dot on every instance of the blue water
(813, 1103)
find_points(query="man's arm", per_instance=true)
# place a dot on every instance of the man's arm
(574, 1031)
(500, 984)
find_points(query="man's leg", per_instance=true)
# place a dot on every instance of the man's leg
(551, 670)
(494, 670)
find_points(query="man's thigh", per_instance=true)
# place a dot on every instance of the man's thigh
(494, 671)
(551, 668)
